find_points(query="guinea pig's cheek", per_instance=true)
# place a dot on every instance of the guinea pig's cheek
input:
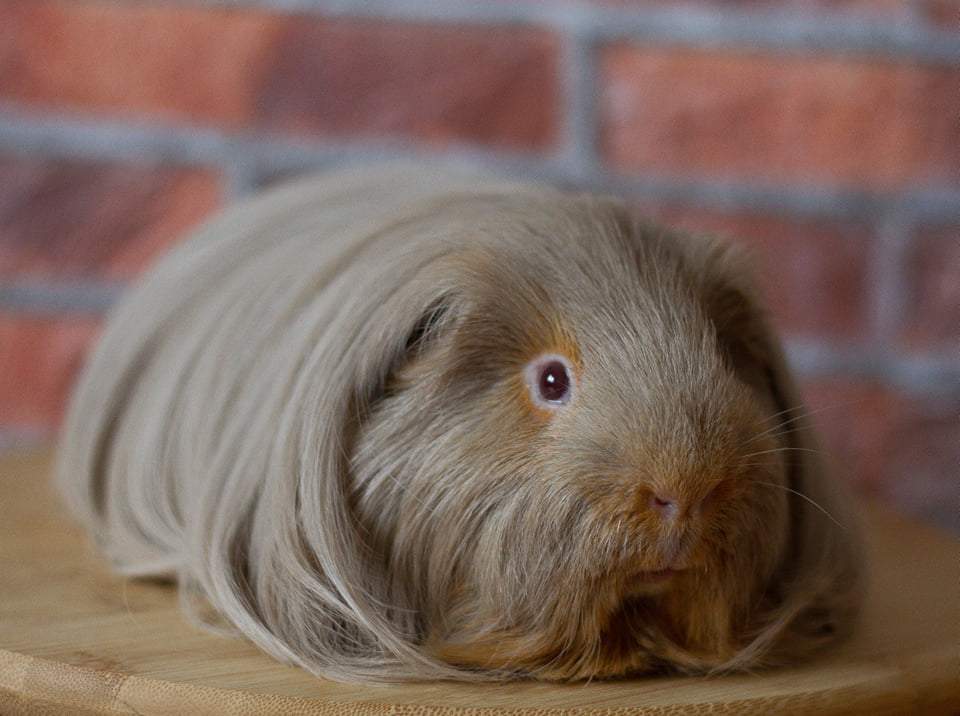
(719, 496)
(530, 415)
(522, 413)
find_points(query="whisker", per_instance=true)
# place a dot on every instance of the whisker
(775, 429)
(799, 406)
(801, 416)
(808, 499)
(776, 434)
(822, 408)
(782, 449)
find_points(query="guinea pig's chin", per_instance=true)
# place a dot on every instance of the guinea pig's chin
(651, 582)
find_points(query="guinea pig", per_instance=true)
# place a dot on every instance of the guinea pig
(412, 423)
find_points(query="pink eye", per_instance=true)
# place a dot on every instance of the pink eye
(550, 381)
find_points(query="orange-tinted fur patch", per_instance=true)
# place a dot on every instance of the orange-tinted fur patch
(559, 340)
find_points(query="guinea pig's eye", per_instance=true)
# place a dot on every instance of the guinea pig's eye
(550, 380)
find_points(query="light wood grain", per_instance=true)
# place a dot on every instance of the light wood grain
(76, 639)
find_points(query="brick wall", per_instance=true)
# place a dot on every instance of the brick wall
(824, 134)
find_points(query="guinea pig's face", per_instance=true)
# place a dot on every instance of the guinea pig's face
(583, 471)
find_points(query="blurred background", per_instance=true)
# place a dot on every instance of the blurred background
(823, 134)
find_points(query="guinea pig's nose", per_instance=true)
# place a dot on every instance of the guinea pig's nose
(664, 504)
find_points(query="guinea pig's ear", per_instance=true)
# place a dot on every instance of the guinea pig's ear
(744, 335)
(820, 581)
(427, 327)
(415, 334)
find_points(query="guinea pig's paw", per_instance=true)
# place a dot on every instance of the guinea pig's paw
(498, 650)
(531, 655)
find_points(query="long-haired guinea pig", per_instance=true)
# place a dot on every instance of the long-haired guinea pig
(413, 424)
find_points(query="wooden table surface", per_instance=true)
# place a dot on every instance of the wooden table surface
(76, 639)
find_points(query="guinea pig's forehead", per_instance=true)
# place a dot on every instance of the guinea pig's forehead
(581, 273)
(584, 273)
(627, 327)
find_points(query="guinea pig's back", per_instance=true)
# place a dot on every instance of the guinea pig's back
(137, 441)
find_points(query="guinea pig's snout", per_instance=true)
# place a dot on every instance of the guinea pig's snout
(676, 515)
(672, 505)
(665, 504)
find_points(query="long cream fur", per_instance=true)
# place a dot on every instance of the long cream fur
(312, 416)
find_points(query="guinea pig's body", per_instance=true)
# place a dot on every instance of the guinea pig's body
(413, 424)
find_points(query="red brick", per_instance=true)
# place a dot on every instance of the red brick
(440, 83)
(811, 272)
(932, 268)
(95, 219)
(763, 116)
(161, 62)
(283, 73)
(39, 359)
(942, 13)
(853, 418)
(902, 448)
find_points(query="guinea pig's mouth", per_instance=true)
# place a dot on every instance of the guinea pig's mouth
(657, 575)
(651, 581)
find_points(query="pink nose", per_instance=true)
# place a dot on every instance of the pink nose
(666, 505)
